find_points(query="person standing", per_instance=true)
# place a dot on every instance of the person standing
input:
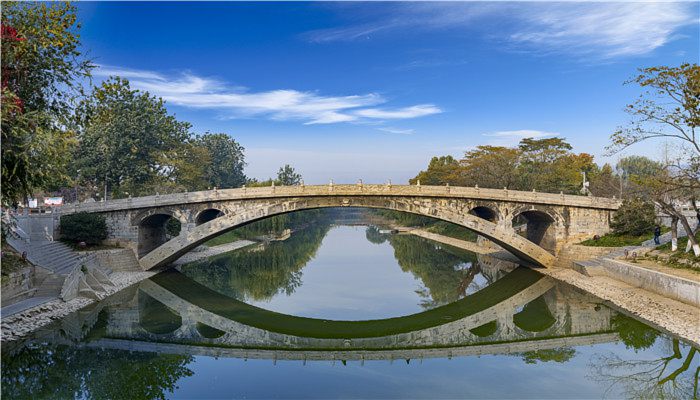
(657, 234)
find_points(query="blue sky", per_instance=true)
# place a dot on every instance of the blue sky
(372, 91)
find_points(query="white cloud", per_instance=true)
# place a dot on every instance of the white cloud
(602, 30)
(399, 131)
(607, 30)
(189, 90)
(420, 110)
(512, 138)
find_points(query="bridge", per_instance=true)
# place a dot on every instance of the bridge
(531, 225)
(196, 320)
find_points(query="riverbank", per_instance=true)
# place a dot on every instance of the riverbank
(668, 315)
(21, 324)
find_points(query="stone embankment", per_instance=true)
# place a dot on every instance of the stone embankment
(20, 325)
(627, 294)
(125, 272)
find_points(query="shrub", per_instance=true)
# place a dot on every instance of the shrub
(635, 217)
(84, 227)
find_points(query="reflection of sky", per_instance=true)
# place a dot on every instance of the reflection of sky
(462, 377)
(351, 279)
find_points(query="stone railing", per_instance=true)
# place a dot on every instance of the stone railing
(358, 189)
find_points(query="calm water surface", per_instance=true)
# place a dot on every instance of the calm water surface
(345, 311)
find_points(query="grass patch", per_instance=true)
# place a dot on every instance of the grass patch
(11, 262)
(682, 242)
(617, 240)
(515, 282)
(228, 237)
(452, 230)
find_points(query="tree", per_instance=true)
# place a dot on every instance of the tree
(227, 160)
(186, 167)
(491, 167)
(287, 176)
(83, 227)
(669, 108)
(605, 183)
(441, 170)
(124, 134)
(548, 165)
(41, 71)
(635, 217)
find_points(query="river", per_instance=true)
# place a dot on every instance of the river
(341, 310)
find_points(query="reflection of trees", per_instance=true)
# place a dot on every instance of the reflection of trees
(560, 355)
(260, 274)
(634, 334)
(659, 378)
(70, 372)
(445, 271)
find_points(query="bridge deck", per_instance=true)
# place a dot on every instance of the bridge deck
(345, 190)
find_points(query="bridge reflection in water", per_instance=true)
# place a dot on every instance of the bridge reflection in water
(521, 312)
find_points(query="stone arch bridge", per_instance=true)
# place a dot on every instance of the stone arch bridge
(531, 225)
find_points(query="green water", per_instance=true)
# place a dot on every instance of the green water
(342, 311)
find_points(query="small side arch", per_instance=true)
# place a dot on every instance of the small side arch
(207, 215)
(538, 226)
(485, 212)
(156, 229)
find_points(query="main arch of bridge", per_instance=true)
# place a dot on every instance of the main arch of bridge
(544, 221)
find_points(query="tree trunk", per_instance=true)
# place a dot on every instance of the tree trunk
(691, 237)
(674, 233)
(670, 210)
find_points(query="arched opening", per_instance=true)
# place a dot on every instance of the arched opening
(537, 227)
(535, 316)
(528, 252)
(155, 317)
(207, 215)
(484, 212)
(208, 331)
(155, 230)
(485, 330)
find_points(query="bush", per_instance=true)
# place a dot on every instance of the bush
(84, 227)
(635, 217)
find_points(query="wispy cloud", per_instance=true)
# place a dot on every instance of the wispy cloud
(602, 30)
(512, 138)
(398, 131)
(607, 30)
(189, 90)
(420, 110)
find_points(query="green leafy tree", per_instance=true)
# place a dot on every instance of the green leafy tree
(287, 176)
(441, 170)
(42, 66)
(185, 168)
(83, 227)
(227, 160)
(124, 135)
(492, 167)
(635, 217)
